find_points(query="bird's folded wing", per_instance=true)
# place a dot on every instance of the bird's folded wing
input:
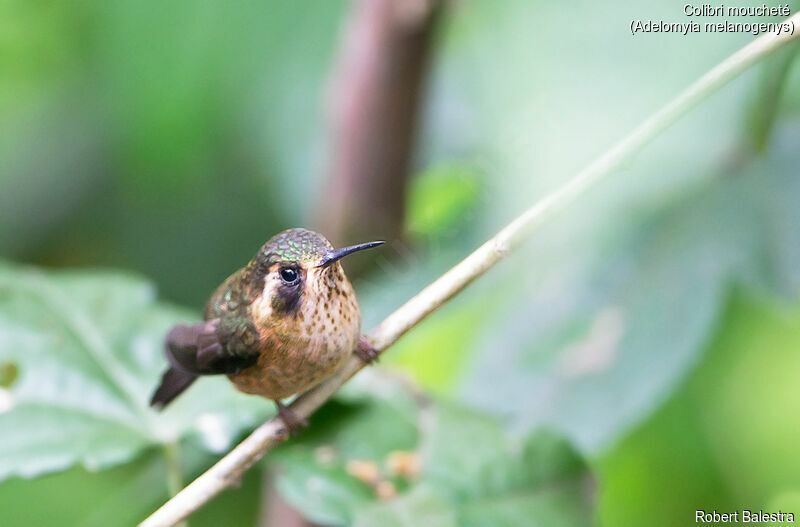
(218, 346)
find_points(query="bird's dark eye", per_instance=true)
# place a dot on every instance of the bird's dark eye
(288, 275)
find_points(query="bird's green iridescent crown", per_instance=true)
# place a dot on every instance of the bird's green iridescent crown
(299, 245)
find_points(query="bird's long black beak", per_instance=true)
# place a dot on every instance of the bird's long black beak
(335, 254)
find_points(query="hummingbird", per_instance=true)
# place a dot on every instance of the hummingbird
(276, 327)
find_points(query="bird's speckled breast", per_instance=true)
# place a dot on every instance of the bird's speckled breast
(301, 350)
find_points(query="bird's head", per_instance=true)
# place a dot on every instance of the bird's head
(299, 264)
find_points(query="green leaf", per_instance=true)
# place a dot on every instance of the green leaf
(597, 348)
(471, 455)
(727, 434)
(473, 475)
(313, 467)
(420, 506)
(491, 478)
(86, 348)
(79, 497)
(470, 471)
(120, 496)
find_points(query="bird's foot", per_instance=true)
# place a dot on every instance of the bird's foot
(366, 351)
(294, 423)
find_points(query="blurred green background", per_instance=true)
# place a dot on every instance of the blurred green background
(635, 361)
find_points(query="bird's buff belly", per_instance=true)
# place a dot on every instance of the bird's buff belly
(278, 375)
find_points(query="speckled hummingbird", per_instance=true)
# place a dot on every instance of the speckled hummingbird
(276, 327)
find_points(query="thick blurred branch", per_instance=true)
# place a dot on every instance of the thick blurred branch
(374, 101)
(228, 470)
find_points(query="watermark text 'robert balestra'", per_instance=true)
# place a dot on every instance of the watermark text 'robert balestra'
(742, 516)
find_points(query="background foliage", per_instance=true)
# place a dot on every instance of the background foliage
(633, 362)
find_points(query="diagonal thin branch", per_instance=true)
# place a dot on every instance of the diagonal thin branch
(227, 472)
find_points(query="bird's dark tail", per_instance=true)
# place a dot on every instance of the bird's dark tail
(173, 383)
